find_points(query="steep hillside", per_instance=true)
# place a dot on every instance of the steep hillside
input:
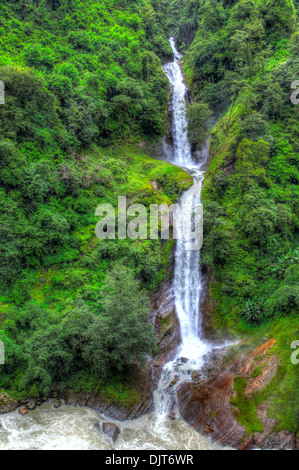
(85, 99)
(240, 68)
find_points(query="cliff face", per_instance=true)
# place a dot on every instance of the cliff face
(220, 408)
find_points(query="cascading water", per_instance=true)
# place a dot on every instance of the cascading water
(181, 156)
(187, 277)
(73, 428)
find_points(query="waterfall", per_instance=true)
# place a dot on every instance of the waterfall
(182, 155)
(187, 285)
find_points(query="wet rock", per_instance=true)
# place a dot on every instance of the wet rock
(31, 405)
(23, 411)
(183, 360)
(54, 394)
(57, 403)
(207, 406)
(166, 323)
(195, 376)
(174, 382)
(7, 404)
(111, 430)
(40, 401)
(172, 415)
(156, 364)
(283, 440)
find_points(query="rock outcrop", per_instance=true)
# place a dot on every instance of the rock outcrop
(31, 405)
(111, 430)
(208, 406)
(7, 404)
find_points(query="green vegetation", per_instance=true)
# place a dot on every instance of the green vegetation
(257, 372)
(241, 57)
(85, 102)
(85, 98)
(245, 412)
(283, 389)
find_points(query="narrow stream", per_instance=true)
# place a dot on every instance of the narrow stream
(75, 428)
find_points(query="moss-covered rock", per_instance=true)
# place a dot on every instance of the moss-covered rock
(7, 404)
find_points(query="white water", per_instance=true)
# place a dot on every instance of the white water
(187, 276)
(73, 428)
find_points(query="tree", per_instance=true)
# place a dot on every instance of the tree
(198, 114)
(257, 218)
(121, 336)
(247, 42)
(281, 15)
(212, 22)
(54, 351)
(216, 247)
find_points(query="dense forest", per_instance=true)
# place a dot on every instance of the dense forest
(85, 98)
(85, 104)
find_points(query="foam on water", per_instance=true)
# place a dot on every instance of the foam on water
(70, 428)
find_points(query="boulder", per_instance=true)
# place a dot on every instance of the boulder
(174, 382)
(111, 430)
(195, 376)
(31, 405)
(7, 404)
(23, 411)
(57, 403)
(172, 415)
(183, 360)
